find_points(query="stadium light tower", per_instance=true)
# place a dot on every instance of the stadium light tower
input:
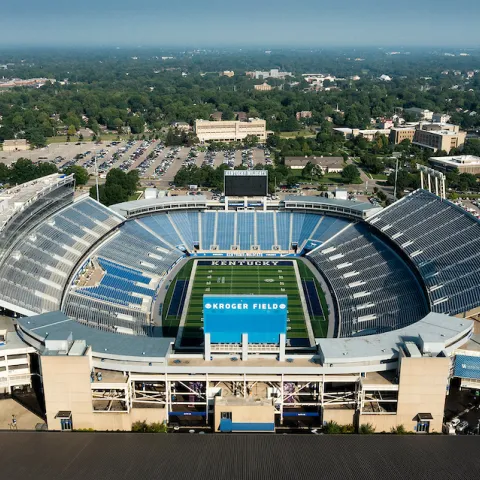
(438, 177)
(396, 176)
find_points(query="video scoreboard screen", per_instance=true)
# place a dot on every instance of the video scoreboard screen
(262, 317)
(246, 183)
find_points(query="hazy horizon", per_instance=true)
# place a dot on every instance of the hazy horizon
(215, 23)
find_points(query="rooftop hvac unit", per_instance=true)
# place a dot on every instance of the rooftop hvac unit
(51, 222)
(16, 255)
(32, 237)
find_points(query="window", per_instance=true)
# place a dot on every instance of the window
(226, 415)
(66, 424)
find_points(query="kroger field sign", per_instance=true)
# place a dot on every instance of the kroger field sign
(262, 317)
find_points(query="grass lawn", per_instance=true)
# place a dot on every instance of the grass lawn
(332, 178)
(136, 195)
(379, 176)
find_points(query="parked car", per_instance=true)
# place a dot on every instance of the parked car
(462, 426)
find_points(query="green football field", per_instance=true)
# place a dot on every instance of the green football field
(243, 280)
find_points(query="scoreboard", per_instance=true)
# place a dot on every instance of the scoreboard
(262, 317)
(246, 183)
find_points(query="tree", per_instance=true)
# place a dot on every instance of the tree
(23, 170)
(350, 174)
(251, 141)
(4, 173)
(291, 181)
(311, 171)
(80, 173)
(71, 130)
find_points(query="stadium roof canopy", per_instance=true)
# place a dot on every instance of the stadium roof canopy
(17, 198)
(58, 326)
(79, 456)
(439, 332)
(433, 334)
(360, 206)
(151, 205)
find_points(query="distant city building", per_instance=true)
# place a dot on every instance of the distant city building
(420, 113)
(241, 116)
(303, 114)
(230, 131)
(29, 82)
(184, 126)
(17, 145)
(274, 73)
(464, 163)
(385, 78)
(228, 73)
(216, 116)
(440, 118)
(385, 123)
(439, 136)
(399, 134)
(264, 87)
(368, 134)
(326, 164)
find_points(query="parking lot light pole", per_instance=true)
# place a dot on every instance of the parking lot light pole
(96, 177)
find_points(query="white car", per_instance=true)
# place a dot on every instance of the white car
(462, 426)
(454, 422)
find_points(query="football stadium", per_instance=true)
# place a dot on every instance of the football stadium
(248, 314)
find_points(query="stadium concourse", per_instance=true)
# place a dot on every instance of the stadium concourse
(331, 310)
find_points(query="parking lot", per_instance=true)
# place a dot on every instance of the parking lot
(156, 163)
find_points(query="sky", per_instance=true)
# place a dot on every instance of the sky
(225, 23)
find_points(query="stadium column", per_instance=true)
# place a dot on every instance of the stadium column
(208, 347)
(244, 346)
(283, 341)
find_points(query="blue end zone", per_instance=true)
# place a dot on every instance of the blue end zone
(311, 296)
(178, 298)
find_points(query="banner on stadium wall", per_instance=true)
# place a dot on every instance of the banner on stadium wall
(467, 367)
(245, 263)
(262, 317)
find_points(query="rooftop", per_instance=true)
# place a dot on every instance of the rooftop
(323, 161)
(244, 456)
(353, 204)
(434, 328)
(455, 160)
(152, 203)
(19, 197)
(57, 326)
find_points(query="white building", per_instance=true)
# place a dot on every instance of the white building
(230, 131)
(464, 163)
(14, 359)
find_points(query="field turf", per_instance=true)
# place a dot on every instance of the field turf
(243, 280)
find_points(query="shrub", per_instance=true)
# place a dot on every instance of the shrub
(144, 427)
(399, 430)
(366, 429)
